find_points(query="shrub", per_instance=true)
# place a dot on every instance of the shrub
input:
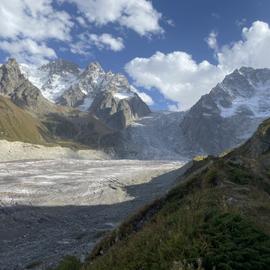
(69, 263)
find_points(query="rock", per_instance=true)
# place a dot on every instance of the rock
(230, 113)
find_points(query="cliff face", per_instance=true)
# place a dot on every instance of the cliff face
(118, 112)
(22, 92)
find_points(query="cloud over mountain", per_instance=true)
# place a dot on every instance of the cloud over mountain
(183, 80)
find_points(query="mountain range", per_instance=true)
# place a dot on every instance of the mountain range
(105, 94)
(216, 216)
(103, 110)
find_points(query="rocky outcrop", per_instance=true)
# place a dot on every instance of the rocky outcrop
(230, 113)
(117, 112)
(22, 92)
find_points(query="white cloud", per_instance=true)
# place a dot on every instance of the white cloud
(104, 41)
(176, 75)
(242, 22)
(107, 41)
(26, 25)
(181, 79)
(212, 40)
(42, 21)
(138, 15)
(252, 50)
(33, 19)
(27, 50)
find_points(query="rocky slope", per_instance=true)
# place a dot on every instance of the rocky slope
(157, 136)
(114, 101)
(217, 217)
(119, 110)
(14, 85)
(29, 104)
(230, 113)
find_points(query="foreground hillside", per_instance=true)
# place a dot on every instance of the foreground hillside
(218, 217)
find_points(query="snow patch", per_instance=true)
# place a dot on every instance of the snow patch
(123, 95)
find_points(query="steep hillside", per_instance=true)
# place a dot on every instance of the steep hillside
(17, 124)
(217, 217)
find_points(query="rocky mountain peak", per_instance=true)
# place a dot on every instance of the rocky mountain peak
(63, 83)
(230, 113)
(237, 84)
(12, 63)
(10, 76)
(20, 90)
(94, 67)
(11, 67)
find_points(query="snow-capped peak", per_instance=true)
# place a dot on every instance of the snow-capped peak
(245, 90)
(53, 79)
(63, 82)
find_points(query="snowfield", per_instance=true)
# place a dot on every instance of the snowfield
(53, 208)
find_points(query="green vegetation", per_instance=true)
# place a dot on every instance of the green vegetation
(199, 225)
(218, 217)
(69, 263)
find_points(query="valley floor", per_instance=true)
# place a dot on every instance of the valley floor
(53, 208)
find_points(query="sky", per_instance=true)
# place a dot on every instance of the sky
(173, 51)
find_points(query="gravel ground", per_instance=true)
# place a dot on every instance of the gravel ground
(25, 151)
(53, 208)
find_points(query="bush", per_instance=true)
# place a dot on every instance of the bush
(69, 263)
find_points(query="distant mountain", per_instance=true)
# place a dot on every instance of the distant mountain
(78, 100)
(114, 101)
(25, 107)
(53, 78)
(219, 121)
(230, 113)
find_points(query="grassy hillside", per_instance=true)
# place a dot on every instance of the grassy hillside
(70, 129)
(19, 125)
(218, 217)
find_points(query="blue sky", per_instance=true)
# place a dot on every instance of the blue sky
(173, 50)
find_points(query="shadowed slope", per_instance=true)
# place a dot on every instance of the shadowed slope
(217, 218)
